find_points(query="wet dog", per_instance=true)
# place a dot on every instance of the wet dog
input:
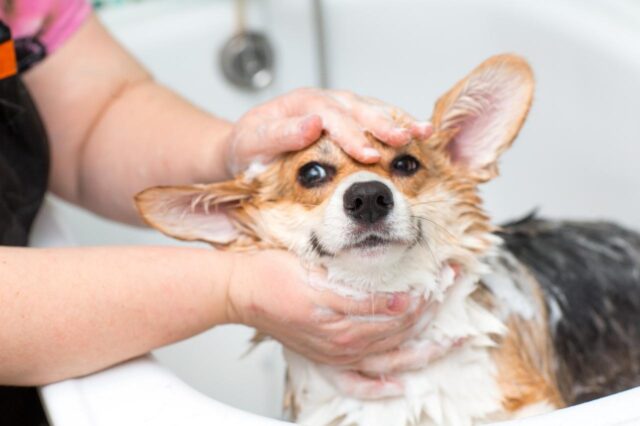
(538, 314)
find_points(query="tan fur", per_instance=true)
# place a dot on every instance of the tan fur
(524, 374)
(232, 194)
(525, 356)
(446, 119)
(449, 188)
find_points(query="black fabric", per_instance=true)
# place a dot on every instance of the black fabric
(24, 168)
(30, 51)
(24, 162)
(20, 406)
(5, 33)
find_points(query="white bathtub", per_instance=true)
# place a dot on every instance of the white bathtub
(576, 157)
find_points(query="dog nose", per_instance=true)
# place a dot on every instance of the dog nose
(368, 202)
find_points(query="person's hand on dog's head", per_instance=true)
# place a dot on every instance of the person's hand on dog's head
(297, 119)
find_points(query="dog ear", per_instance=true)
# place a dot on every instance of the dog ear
(479, 118)
(210, 213)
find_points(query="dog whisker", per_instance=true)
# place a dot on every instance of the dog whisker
(422, 242)
(444, 200)
(434, 223)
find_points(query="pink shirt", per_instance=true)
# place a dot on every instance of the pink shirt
(49, 22)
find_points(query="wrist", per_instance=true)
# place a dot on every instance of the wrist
(214, 158)
(233, 290)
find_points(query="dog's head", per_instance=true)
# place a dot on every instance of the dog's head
(418, 204)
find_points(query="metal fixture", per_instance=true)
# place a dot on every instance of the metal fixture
(247, 58)
(321, 46)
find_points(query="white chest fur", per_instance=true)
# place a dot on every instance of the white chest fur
(457, 389)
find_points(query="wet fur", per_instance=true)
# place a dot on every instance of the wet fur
(519, 359)
(589, 273)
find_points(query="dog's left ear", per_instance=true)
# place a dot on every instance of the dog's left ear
(211, 213)
(480, 117)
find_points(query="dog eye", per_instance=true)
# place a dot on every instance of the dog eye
(405, 165)
(315, 174)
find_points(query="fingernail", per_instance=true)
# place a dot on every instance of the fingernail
(459, 341)
(397, 302)
(425, 128)
(371, 153)
(308, 124)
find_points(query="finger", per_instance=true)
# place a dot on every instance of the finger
(289, 134)
(414, 357)
(319, 350)
(355, 385)
(381, 125)
(347, 133)
(380, 327)
(389, 124)
(384, 338)
(421, 130)
(375, 117)
(405, 359)
(388, 343)
(356, 337)
(375, 304)
(386, 362)
(311, 127)
(368, 330)
(411, 324)
(352, 336)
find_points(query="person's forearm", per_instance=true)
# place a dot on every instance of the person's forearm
(166, 141)
(114, 131)
(69, 312)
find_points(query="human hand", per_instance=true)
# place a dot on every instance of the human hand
(296, 120)
(406, 358)
(272, 292)
(377, 376)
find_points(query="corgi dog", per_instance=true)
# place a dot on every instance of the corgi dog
(539, 314)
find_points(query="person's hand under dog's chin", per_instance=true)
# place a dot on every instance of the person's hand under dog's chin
(379, 375)
(264, 292)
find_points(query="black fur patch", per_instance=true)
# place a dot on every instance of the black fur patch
(590, 276)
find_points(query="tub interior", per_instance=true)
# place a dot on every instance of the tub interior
(576, 156)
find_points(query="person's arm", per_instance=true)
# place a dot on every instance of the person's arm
(114, 131)
(69, 312)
